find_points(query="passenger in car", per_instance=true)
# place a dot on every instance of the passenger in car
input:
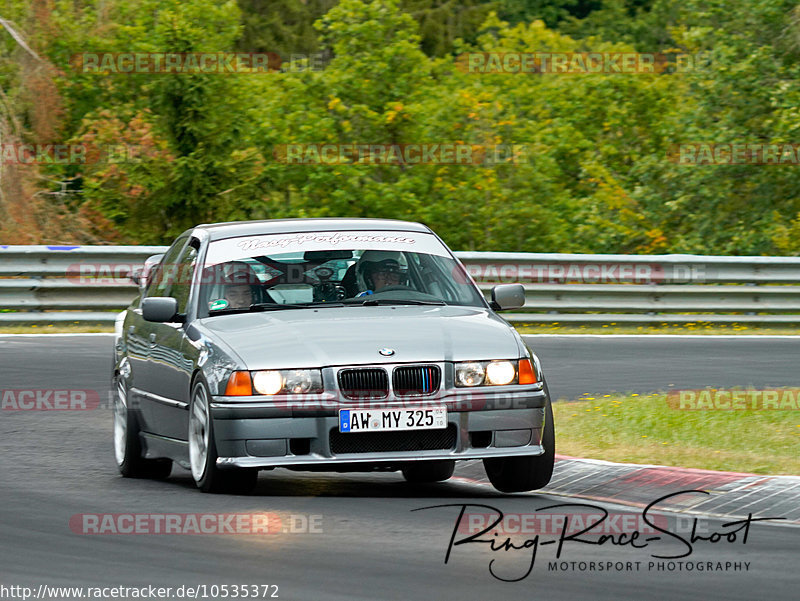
(235, 283)
(239, 296)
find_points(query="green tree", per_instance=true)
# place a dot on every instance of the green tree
(285, 27)
(195, 161)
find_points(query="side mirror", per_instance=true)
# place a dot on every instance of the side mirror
(508, 296)
(140, 276)
(136, 276)
(160, 309)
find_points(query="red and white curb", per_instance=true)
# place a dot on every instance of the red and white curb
(724, 494)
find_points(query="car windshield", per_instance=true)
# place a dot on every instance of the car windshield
(332, 269)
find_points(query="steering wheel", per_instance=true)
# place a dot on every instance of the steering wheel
(328, 291)
(395, 287)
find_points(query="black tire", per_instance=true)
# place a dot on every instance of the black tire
(429, 471)
(208, 477)
(127, 446)
(520, 474)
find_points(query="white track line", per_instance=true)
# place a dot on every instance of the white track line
(54, 334)
(662, 336)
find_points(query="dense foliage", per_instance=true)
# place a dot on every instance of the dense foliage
(597, 180)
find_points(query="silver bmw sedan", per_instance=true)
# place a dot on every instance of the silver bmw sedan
(324, 344)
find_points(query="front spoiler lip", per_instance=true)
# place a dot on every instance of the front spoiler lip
(327, 405)
(382, 458)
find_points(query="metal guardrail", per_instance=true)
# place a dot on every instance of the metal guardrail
(54, 284)
(666, 269)
(55, 261)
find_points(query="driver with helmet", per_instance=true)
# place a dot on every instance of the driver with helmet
(378, 269)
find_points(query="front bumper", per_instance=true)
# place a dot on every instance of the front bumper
(252, 432)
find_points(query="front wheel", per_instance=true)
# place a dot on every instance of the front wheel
(520, 474)
(127, 447)
(429, 471)
(203, 450)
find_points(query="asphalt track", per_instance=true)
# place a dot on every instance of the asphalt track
(368, 542)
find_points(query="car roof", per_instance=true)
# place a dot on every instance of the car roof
(234, 229)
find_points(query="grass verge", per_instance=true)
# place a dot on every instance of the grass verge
(645, 429)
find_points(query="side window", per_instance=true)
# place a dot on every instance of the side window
(185, 274)
(418, 276)
(166, 271)
(440, 279)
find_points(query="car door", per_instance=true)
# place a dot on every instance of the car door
(143, 338)
(169, 368)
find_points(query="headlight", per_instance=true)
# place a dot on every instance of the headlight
(297, 381)
(267, 382)
(495, 373)
(500, 372)
(469, 374)
(272, 382)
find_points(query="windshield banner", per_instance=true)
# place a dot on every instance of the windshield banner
(232, 249)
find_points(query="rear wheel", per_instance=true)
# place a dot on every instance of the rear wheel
(203, 450)
(127, 446)
(520, 474)
(429, 471)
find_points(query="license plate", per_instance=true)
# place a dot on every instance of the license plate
(381, 420)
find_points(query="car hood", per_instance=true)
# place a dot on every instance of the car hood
(353, 335)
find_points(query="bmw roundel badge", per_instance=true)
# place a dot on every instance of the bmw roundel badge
(386, 352)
